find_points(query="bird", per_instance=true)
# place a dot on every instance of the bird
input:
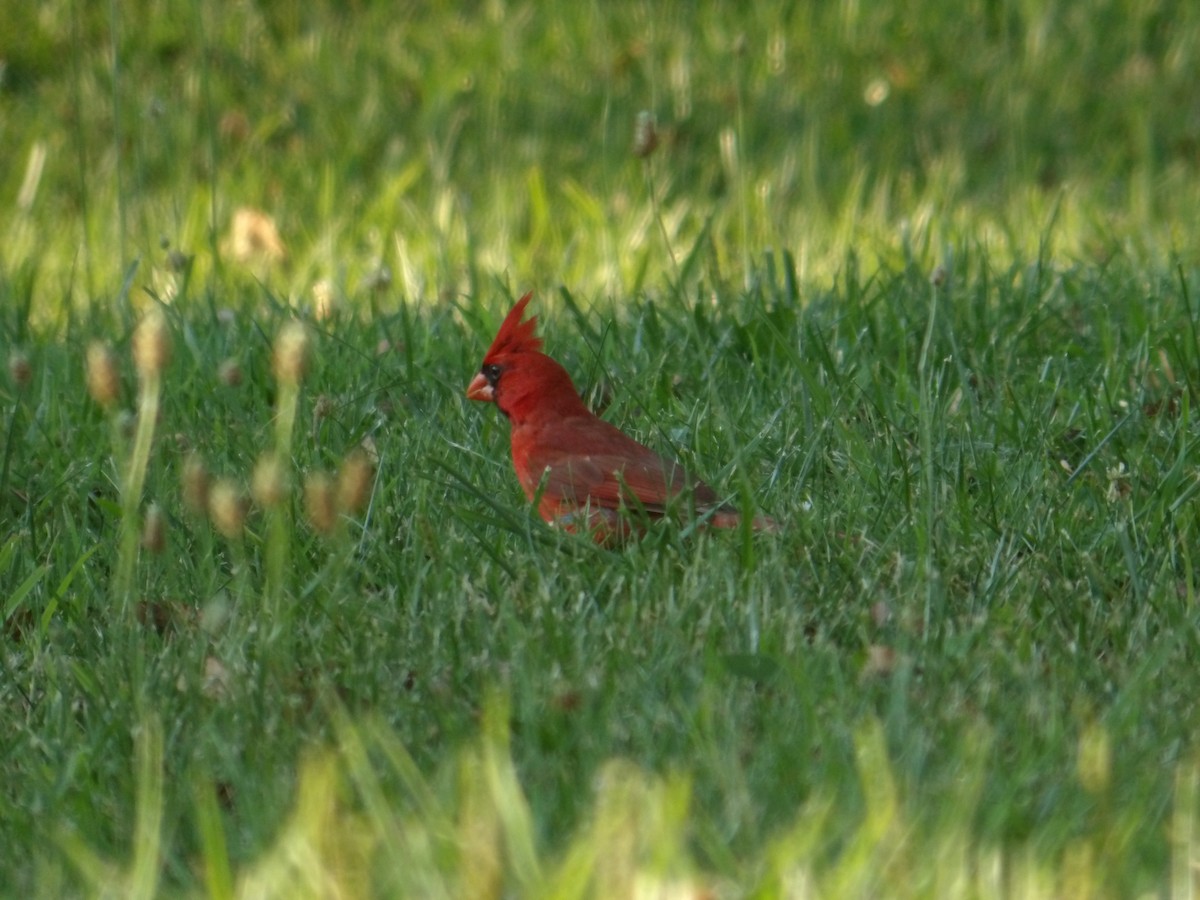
(586, 475)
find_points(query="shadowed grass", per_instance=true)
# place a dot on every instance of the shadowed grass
(986, 532)
(449, 146)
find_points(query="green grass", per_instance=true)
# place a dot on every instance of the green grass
(916, 282)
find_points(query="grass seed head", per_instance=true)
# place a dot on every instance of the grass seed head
(20, 369)
(178, 261)
(323, 408)
(126, 420)
(103, 381)
(378, 280)
(292, 346)
(324, 300)
(354, 482)
(227, 508)
(254, 237)
(319, 502)
(645, 135)
(152, 345)
(229, 372)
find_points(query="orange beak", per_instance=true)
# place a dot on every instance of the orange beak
(479, 389)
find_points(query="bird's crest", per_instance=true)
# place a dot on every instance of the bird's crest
(514, 335)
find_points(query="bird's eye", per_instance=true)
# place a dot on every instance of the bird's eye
(492, 373)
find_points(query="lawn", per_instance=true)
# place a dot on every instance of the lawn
(917, 282)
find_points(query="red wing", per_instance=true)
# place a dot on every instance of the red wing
(609, 480)
(603, 480)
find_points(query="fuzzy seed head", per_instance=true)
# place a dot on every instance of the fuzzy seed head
(154, 530)
(645, 135)
(152, 345)
(292, 347)
(178, 261)
(323, 408)
(20, 369)
(126, 421)
(378, 279)
(254, 237)
(324, 300)
(103, 382)
(269, 484)
(195, 484)
(319, 502)
(354, 482)
(229, 372)
(227, 508)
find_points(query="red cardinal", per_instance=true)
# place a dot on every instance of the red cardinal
(584, 469)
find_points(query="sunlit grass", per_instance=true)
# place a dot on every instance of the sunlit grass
(452, 147)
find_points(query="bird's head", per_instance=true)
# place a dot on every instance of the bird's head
(517, 376)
